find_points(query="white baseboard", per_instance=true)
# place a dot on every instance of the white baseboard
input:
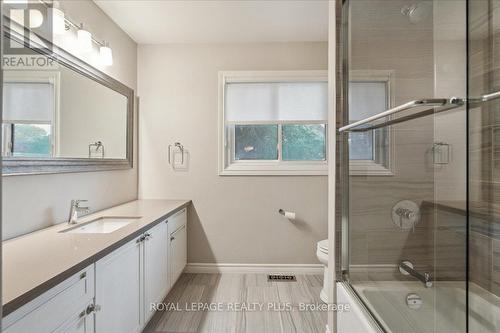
(254, 268)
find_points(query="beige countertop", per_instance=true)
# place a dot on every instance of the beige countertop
(35, 262)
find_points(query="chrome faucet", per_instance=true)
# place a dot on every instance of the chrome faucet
(406, 268)
(75, 209)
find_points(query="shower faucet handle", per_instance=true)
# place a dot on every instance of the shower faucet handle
(405, 215)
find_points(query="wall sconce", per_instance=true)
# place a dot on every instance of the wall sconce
(36, 19)
(106, 54)
(84, 39)
(58, 21)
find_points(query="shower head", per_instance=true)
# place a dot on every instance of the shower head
(417, 12)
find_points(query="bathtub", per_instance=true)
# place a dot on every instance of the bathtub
(443, 307)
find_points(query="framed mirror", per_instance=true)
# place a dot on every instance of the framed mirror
(65, 117)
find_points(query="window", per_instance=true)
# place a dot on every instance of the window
(370, 152)
(273, 123)
(28, 128)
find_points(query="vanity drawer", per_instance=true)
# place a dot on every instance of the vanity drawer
(177, 220)
(52, 309)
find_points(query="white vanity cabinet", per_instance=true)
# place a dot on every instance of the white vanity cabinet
(118, 292)
(156, 277)
(177, 225)
(66, 307)
(138, 274)
(113, 295)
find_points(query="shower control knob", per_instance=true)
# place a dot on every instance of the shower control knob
(406, 215)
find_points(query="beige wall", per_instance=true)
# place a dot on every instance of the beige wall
(34, 202)
(233, 219)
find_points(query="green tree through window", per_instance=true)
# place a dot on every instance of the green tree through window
(31, 140)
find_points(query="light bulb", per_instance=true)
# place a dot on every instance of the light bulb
(84, 39)
(58, 22)
(106, 55)
(36, 18)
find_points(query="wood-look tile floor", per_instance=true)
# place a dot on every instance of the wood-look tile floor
(283, 305)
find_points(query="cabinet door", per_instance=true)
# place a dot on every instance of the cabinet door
(178, 253)
(82, 322)
(118, 294)
(55, 307)
(156, 277)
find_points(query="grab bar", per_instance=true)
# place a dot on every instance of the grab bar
(436, 105)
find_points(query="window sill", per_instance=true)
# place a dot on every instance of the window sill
(274, 169)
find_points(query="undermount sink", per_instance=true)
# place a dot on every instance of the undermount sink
(101, 225)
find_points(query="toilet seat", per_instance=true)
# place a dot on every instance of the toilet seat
(323, 246)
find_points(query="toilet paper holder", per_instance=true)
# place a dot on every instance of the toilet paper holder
(288, 215)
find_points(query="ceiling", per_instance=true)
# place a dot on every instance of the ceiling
(229, 21)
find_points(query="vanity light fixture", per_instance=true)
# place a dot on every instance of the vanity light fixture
(106, 54)
(58, 21)
(61, 23)
(35, 18)
(84, 39)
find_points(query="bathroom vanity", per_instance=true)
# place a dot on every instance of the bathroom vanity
(66, 279)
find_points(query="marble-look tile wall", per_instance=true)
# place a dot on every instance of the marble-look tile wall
(484, 121)
(383, 39)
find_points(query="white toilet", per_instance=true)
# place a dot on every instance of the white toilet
(322, 253)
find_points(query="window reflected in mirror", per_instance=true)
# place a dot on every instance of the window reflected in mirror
(62, 114)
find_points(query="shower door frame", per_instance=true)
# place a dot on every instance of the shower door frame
(342, 192)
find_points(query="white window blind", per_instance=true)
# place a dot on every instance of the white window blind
(366, 99)
(37, 106)
(284, 101)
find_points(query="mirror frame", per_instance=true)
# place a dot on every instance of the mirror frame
(30, 166)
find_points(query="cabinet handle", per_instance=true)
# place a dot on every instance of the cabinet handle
(172, 238)
(148, 236)
(92, 308)
(83, 275)
(140, 239)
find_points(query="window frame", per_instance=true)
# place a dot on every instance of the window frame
(50, 77)
(227, 166)
(373, 167)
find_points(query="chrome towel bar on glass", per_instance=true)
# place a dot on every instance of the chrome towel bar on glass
(434, 105)
(484, 98)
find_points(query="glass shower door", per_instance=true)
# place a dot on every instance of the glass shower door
(407, 171)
